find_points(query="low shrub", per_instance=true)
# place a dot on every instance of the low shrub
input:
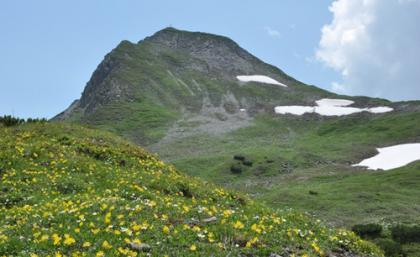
(239, 157)
(406, 234)
(390, 248)
(311, 192)
(247, 163)
(236, 169)
(9, 121)
(184, 189)
(371, 230)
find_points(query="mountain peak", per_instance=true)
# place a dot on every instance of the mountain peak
(176, 74)
(176, 38)
(217, 54)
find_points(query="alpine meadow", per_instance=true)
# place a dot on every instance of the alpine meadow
(186, 144)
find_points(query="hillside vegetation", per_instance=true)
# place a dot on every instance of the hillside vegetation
(305, 163)
(72, 191)
(176, 93)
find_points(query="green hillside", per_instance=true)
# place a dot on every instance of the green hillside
(176, 94)
(293, 155)
(72, 191)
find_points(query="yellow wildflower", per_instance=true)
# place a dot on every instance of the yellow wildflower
(255, 228)
(56, 239)
(106, 245)
(86, 244)
(227, 213)
(68, 240)
(136, 227)
(165, 229)
(108, 218)
(44, 238)
(238, 225)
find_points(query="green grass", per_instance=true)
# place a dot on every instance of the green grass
(73, 191)
(138, 121)
(292, 155)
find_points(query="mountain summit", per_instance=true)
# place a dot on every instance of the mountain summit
(174, 77)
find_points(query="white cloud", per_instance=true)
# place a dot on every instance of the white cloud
(375, 45)
(272, 32)
(338, 88)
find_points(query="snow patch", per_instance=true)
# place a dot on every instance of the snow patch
(393, 157)
(334, 102)
(380, 109)
(260, 79)
(330, 107)
(296, 110)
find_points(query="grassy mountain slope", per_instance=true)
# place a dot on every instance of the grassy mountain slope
(68, 190)
(292, 156)
(177, 78)
(176, 94)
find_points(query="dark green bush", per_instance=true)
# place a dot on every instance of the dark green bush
(371, 230)
(236, 169)
(30, 120)
(185, 189)
(8, 121)
(239, 157)
(406, 234)
(390, 248)
(247, 163)
(311, 192)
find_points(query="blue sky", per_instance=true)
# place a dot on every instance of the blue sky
(50, 48)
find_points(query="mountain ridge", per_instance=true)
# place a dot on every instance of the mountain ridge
(180, 74)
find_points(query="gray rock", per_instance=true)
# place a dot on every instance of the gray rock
(209, 220)
(139, 247)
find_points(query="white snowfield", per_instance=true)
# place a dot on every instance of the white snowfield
(393, 157)
(334, 102)
(330, 107)
(260, 79)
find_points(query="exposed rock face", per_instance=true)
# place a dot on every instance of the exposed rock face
(219, 54)
(104, 86)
